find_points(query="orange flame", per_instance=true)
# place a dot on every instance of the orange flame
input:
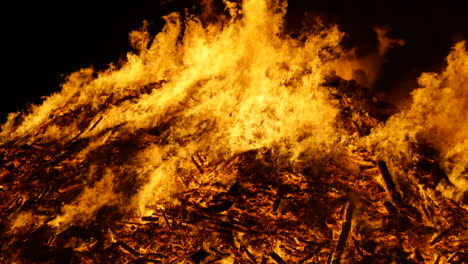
(438, 115)
(229, 87)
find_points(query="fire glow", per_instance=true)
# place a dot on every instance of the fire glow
(198, 98)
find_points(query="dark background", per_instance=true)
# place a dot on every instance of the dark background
(43, 42)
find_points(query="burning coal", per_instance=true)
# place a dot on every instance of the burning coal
(198, 99)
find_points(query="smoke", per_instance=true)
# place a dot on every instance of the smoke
(367, 69)
(385, 42)
(209, 11)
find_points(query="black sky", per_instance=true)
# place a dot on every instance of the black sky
(43, 42)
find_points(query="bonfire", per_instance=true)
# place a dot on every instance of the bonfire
(231, 141)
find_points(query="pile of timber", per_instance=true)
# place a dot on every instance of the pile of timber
(321, 213)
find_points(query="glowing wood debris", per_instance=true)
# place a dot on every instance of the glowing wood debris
(232, 141)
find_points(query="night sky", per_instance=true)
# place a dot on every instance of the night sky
(43, 42)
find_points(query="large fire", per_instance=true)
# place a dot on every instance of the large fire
(232, 141)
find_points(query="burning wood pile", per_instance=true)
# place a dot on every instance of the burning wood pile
(316, 213)
(263, 154)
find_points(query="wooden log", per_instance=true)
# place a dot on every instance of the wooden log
(340, 247)
(440, 236)
(391, 188)
(126, 247)
(251, 257)
(277, 258)
(166, 219)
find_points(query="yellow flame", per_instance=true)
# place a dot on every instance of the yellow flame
(88, 202)
(225, 88)
(229, 87)
(438, 115)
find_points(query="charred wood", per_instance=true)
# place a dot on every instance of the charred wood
(198, 165)
(452, 258)
(150, 218)
(249, 255)
(441, 236)
(303, 211)
(13, 205)
(276, 204)
(144, 260)
(277, 258)
(340, 247)
(166, 219)
(199, 256)
(391, 188)
(126, 247)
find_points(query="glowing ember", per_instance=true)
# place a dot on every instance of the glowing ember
(233, 141)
